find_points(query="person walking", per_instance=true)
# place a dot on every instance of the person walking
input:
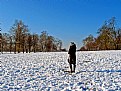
(72, 56)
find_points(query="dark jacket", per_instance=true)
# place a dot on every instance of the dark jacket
(72, 54)
(72, 49)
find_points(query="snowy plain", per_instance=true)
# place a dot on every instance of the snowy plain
(44, 71)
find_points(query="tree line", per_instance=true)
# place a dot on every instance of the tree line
(109, 38)
(19, 39)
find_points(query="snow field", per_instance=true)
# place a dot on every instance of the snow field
(95, 71)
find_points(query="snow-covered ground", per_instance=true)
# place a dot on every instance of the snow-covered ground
(95, 71)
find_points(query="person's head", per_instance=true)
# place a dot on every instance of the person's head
(72, 43)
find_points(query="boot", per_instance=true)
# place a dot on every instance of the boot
(71, 67)
(74, 68)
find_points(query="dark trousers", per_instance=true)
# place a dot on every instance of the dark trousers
(73, 62)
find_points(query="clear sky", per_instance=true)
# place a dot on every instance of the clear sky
(68, 20)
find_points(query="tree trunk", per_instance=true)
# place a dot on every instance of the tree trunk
(10, 47)
(15, 48)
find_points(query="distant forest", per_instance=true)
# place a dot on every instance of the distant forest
(109, 38)
(19, 39)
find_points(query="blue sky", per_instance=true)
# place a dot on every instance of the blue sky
(68, 20)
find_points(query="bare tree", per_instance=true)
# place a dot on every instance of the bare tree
(18, 32)
(1, 45)
(43, 40)
(10, 43)
(29, 42)
(35, 42)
